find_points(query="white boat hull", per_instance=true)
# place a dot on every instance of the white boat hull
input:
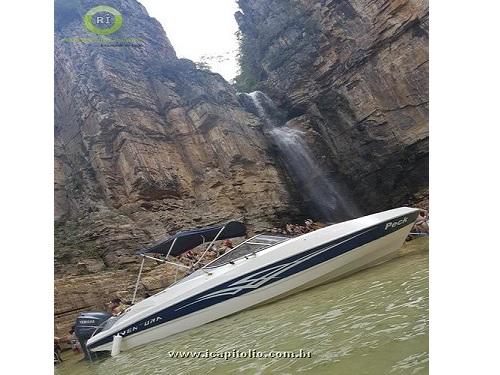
(255, 289)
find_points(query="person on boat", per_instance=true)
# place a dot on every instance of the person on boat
(73, 340)
(214, 250)
(57, 350)
(117, 307)
(309, 224)
(190, 256)
(422, 225)
(226, 245)
(301, 229)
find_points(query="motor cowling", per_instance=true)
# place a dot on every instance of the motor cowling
(88, 324)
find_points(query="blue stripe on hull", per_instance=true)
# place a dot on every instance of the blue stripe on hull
(261, 277)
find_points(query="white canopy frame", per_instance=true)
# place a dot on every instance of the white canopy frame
(178, 265)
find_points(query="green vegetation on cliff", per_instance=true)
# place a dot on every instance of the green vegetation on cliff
(250, 71)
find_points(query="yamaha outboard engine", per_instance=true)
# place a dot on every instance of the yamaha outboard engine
(88, 324)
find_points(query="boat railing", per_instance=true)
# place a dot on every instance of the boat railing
(247, 248)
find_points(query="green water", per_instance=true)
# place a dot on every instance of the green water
(372, 322)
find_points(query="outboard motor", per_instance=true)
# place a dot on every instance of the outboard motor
(87, 324)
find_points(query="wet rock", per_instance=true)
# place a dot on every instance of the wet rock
(353, 76)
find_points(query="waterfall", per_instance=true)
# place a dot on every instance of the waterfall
(320, 190)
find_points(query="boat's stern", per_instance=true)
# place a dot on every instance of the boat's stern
(88, 324)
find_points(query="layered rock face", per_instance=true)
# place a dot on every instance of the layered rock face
(352, 74)
(145, 144)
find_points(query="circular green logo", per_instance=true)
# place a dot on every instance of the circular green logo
(103, 20)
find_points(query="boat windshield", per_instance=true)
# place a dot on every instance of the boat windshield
(251, 246)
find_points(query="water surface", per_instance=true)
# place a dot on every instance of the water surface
(372, 322)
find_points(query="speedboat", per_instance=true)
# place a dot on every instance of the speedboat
(261, 269)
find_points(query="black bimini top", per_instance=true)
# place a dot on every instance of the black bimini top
(187, 240)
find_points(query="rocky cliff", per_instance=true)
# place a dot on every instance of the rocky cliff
(145, 144)
(353, 74)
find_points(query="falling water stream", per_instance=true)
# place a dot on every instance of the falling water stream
(313, 182)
